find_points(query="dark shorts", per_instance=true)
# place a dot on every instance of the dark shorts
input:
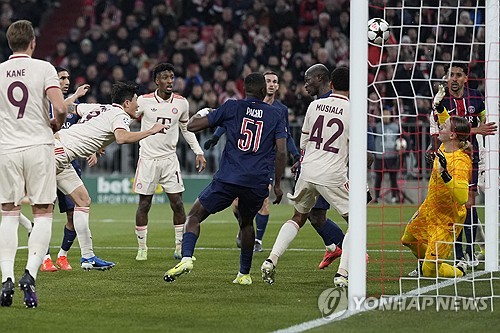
(64, 202)
(218, 196)
(321, 204)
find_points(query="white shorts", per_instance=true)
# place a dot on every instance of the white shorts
(306, 194)
(67, 178)
(30, 173)
(165, 172)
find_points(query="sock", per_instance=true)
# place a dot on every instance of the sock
(8, 241)
(236, 215)
(332, 247)
(188, 243)
(331, 233)
(261, 223)
(344, 258)
(287, 233)
(47, 256)
(246, 256)
(480, 235)
(26, 223)
(82, 228)
(38, 242)
(68, 239)
(179, 231)
(142, 236)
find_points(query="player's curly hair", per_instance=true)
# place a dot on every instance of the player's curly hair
(123, 91)
(161, 67)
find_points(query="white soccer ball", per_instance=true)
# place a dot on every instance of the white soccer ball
(401, 144)
(378, 31)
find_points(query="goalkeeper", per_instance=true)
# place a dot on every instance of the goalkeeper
(469, 104)
(431, 231)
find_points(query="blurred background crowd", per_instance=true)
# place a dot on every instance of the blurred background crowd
(214, 44)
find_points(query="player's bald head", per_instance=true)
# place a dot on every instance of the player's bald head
(320, 71)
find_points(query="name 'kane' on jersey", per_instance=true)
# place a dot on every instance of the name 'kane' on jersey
(325, 141)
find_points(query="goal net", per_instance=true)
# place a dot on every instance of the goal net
(403, 76)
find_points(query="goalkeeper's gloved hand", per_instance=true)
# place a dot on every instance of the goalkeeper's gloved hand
(211, 142)
(438, 98)
(445, 175)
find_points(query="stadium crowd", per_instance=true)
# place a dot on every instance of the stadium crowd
(214, 44)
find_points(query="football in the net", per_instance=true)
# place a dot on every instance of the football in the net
(378, 31)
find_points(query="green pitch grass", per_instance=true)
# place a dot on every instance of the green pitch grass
(132, 297)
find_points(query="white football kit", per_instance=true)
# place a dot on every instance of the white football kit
(158, 163)
(325, 141)
(26, 166)
(94, 131)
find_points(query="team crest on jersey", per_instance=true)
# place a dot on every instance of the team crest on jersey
(472, 109)
(154, 109)
(126, 121)
(139, 186)
(174, 110)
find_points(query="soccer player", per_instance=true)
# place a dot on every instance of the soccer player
(462, 101)
(432, 229)
(27, 164)
(158, 163)
(65, 204)
(325, 146)
(256, 142)
(99, 126)
(262, 217)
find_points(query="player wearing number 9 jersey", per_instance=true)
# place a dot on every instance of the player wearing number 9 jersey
(27, 163)
(254, 130)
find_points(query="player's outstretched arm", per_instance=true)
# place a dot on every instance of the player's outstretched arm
(123, 136)
(199, 121)
(70, 100)
(279, 168)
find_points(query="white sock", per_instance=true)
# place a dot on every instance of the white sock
(47, 256)
(286, 235)
(344, 259)
(8, 243)
(39, 242)
(480, 235)
(332, 247)
(179, 231)
(62, 253)
(142, 236)
(25, 222)
(82, 228)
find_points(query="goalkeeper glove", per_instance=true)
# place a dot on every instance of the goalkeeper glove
(438, 98)
(445, 175)
(211, 142)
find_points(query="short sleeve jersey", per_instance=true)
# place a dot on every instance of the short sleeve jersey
(153, 109)
(327, 150)
(95, 129)
(252, 128)
(24, 115)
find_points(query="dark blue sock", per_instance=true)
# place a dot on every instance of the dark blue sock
(68, 239)
(261, 222)
(246, 260)
(188, 243)
(331, 233)
(459, 250)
